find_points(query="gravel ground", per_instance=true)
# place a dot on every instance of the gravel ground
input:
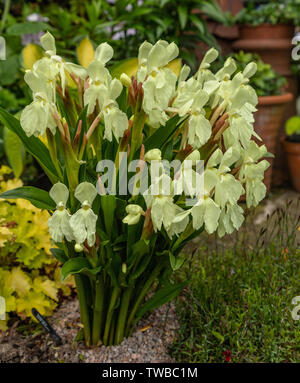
(149, 343)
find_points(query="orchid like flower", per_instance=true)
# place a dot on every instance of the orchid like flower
(252, 173)
(158, 81)
(38, 116)
(104, 90)
(56, 63)
(231, 218)
(115, 121)
(100, 88)
(205, 211)
(227, 189)
(59, 222)
(159, 197)
(83, 222)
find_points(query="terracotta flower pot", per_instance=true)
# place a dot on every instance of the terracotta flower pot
(267, 124)
(292, 150)
(271, 42)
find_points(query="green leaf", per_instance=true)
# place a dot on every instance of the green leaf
(14, 151)
(128, 66)
(28, 27)
(213, 10)
(78, 265)
(292, 125)
(9, 70)
(183, 15)
(140, 269)
(161, 135)
(218, 336)
(32, 144)
(161, 297)
(186, 236)
(59, 254)
(38, 197)
(199, 23)
(108, 205)
(176, 262)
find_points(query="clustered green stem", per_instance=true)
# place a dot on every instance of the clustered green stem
(112, 314)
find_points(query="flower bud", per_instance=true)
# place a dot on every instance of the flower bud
(78, 248)
(134, 209)
(125, 80)
(124, 268)
(153, 155)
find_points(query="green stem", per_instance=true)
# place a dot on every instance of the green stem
(4, 15)
(53, 152)
(112, 330)
(98, 311)
(155, 273)
(137, 132)
(114, 296)
(84, 309)
(125, 300)
(72, 166)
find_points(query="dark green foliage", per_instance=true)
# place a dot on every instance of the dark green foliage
(273, 12)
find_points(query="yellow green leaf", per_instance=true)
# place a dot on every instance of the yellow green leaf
(5, 235)
(85, 52)
(130, 67)
(127, 66)
(2, 306)
(14, 151)
(3, 325)
(37, 300)
(175, 66)
(20, 282)
(46, 286)
(30, 54)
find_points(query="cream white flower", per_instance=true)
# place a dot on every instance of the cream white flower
(115, 121)
(227, 189)
(56, 64)
(252, 173)
(134, 213)
(231, 218)
(205, 78)
(177, 227)
(158, 81)
(104, 90)
(100, 88)
(205, 211)
(159, 197)
(199, 127)
(83, 222)
(191, 99)
(59, 222)
(187, 180)
(38, 116)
